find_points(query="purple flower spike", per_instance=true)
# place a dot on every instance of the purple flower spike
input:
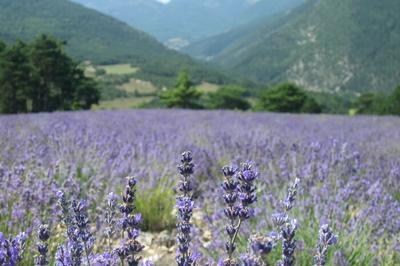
(185, 205)
(238, 185)
(131, 247)
(326, 239)
(42, 246)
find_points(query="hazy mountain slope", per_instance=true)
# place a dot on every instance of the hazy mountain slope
(187, 20)
(324, 44)
(91, 35)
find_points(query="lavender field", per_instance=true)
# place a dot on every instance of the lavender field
(344, 172)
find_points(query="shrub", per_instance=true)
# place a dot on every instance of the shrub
(228, 97)
(287, 98)
(156, 206)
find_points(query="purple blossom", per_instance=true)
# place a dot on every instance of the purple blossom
(42, 246)
(237, 185)
(11, 250)
(326, 239)
(185, 205)
(130, 247)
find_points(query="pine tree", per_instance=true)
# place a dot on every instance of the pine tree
(15, 79)
(183, 95)
(53, 70)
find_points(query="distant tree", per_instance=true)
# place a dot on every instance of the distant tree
(287, 98)
(395, 102)
(310, 106)
(365, 103)
(183, 95)
(41, 77)
(15, 79)
(53, 70)
(86, 93)
(61, 84)
(228, 97)
(2, 46)
(371, 103)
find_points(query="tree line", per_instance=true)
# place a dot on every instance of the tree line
(379, 104)
(40, 77)
(285, 97)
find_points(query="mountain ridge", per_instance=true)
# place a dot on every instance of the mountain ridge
(91, 35)
(184, 20)
(321, 45)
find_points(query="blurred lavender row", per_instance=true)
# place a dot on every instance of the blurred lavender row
(349, 169)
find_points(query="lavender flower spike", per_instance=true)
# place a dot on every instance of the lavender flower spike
(42, 246)
(82, 225)
(326, 239)
(110, 218)
(244, 190)
(11, 249)
(185, 204)
(287, 226)
(288, 232)
(291, 196)
(131, 247)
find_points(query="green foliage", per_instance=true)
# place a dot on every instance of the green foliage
(227, 97)
(15, 79)
(395, 102)
(156, 206)
(184, 95)
(287, 98)
(310, 106)
(379, 104)
(334, 102)
(2, 46)
(41, 77)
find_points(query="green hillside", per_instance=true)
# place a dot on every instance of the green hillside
(324, 44)
(93, 36)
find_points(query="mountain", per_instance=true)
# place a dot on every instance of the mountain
(91, 35)
(321, 45)
(180, 22)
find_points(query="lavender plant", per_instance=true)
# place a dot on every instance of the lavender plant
(81, 229)
(349, 169)
(326, 239)
(42, 246)
(185, 204)
(131, 247)
(243, 189)
(287, 226)
(110, 219)
(12, 249)
(260, 246)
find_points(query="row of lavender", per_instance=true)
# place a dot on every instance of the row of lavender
(348, 167)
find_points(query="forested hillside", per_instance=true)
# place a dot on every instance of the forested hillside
(322, 45)
(91, 35)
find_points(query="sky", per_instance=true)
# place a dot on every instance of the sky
(164, 1)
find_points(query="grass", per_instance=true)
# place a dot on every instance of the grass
(206, 87)
(156, 206)
(119, 69)
(123, 103)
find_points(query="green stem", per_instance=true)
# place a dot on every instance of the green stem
(233, 239)
(87, 254)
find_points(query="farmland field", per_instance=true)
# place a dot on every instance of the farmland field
(122, 103)
(349, 171)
